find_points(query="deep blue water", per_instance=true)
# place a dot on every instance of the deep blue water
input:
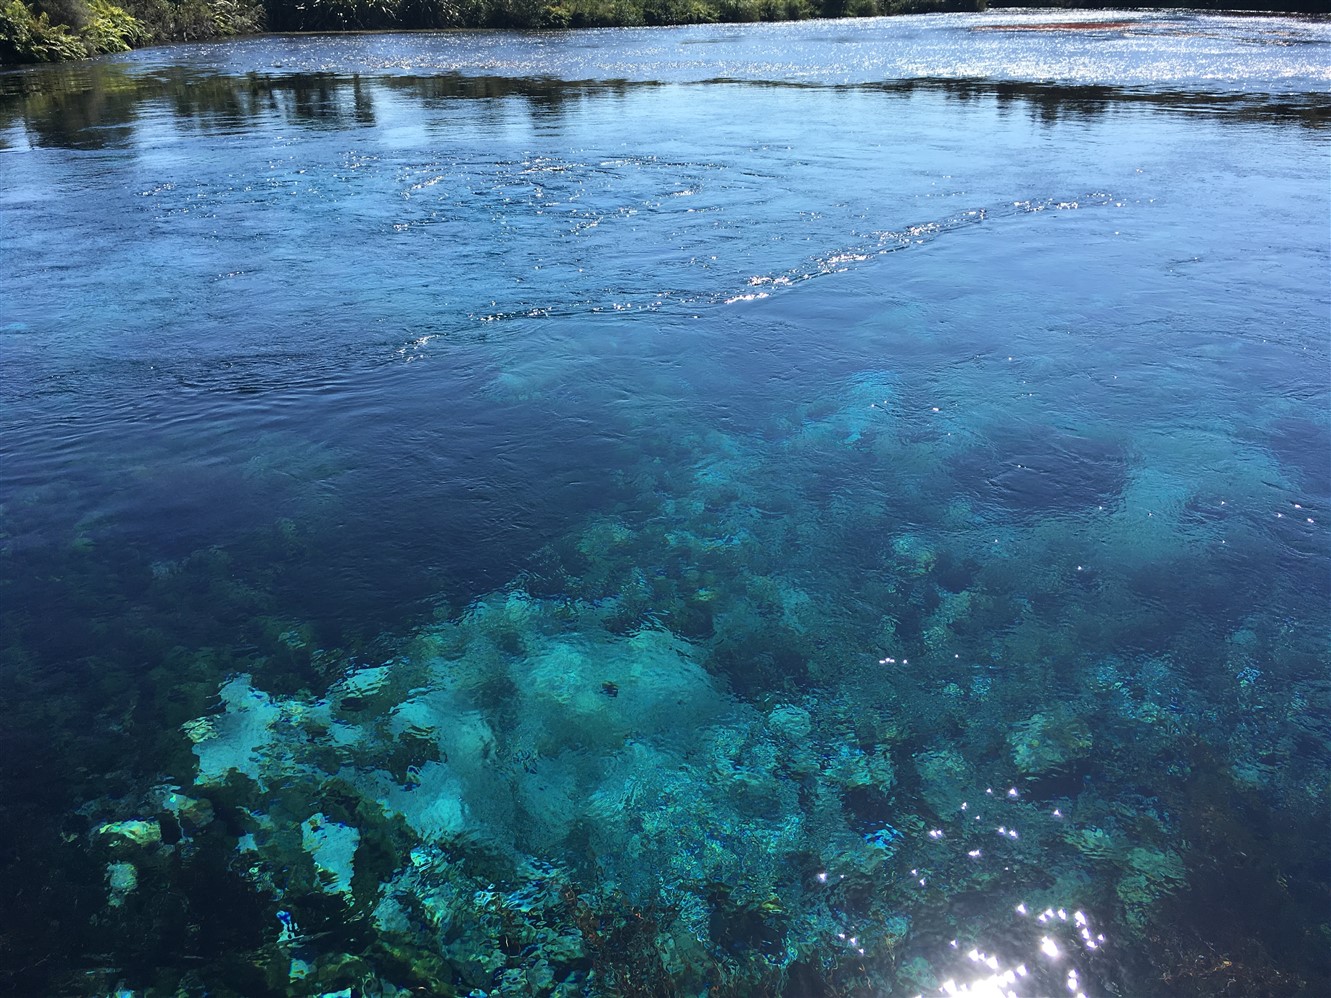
(821, 508)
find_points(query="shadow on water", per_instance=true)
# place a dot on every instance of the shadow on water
(96, 106)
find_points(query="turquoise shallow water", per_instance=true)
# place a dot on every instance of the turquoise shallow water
(827, 508)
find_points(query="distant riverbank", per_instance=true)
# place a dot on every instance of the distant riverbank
(35, 31)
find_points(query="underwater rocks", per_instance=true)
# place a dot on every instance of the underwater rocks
(1049, 742)
(131, 843)
(726, 741)
(122, 879)
(947, 779)
(332, 846)
(1151, 874)
(486, 807)
(231, 741)
(130, 835)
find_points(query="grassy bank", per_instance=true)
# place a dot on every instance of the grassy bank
(58, 30)
(55, 30)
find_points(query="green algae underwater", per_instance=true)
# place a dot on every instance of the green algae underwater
(664, 541)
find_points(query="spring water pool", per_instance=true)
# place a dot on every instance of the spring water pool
(830, 508)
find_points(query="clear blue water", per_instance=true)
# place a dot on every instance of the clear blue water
(822, 508)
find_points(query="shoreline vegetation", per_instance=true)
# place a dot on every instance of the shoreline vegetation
(38, 31)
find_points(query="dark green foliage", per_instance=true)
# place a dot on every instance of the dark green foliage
(73, 13)
(55, 30)
(191, 20)
(334, 15)
(678, 12)
(59, 30)
(71, 29)
(65, 29)
(26, 36)
(112, 29)
(429, 13)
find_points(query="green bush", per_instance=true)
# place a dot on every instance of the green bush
(192, 20)
(26, 36)
(112, 29)
(236, 17)
(342, 15)
(29, 36)
(73, 14)
(429, 14)
(678, 12)
(54, 30)
(742, 11)
(595, 14)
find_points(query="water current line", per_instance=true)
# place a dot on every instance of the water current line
(888, 241)
(879, 243)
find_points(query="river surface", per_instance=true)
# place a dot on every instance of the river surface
(828, 508)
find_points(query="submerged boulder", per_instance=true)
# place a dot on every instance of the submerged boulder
(1048, 742)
